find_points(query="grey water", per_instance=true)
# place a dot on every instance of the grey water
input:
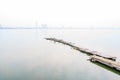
(26, 55)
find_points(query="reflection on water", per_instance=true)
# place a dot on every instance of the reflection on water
(108, 68)
(26, 55)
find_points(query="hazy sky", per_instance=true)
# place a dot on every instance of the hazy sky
(75, 13)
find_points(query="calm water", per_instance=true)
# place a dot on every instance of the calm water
(26, 55)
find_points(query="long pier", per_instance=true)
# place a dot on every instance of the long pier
(84, 50)
(95, 56)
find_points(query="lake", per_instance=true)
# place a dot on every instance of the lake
(26, 55)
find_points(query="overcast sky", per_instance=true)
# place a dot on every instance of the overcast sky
(68, 13)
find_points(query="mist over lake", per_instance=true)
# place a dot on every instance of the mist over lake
(26, 55)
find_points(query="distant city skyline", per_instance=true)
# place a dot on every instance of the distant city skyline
(57, 13)
(45, 26)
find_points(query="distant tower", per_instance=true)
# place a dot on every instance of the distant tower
(36, 24)
(0, 26)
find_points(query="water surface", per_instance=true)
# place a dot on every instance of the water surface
(26, 55)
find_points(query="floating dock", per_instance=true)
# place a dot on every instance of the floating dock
(110, 63)
(84, 50)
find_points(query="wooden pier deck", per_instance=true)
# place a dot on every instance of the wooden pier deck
(84, 50)
(110, 63)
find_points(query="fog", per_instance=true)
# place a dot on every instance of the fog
(57, 13)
